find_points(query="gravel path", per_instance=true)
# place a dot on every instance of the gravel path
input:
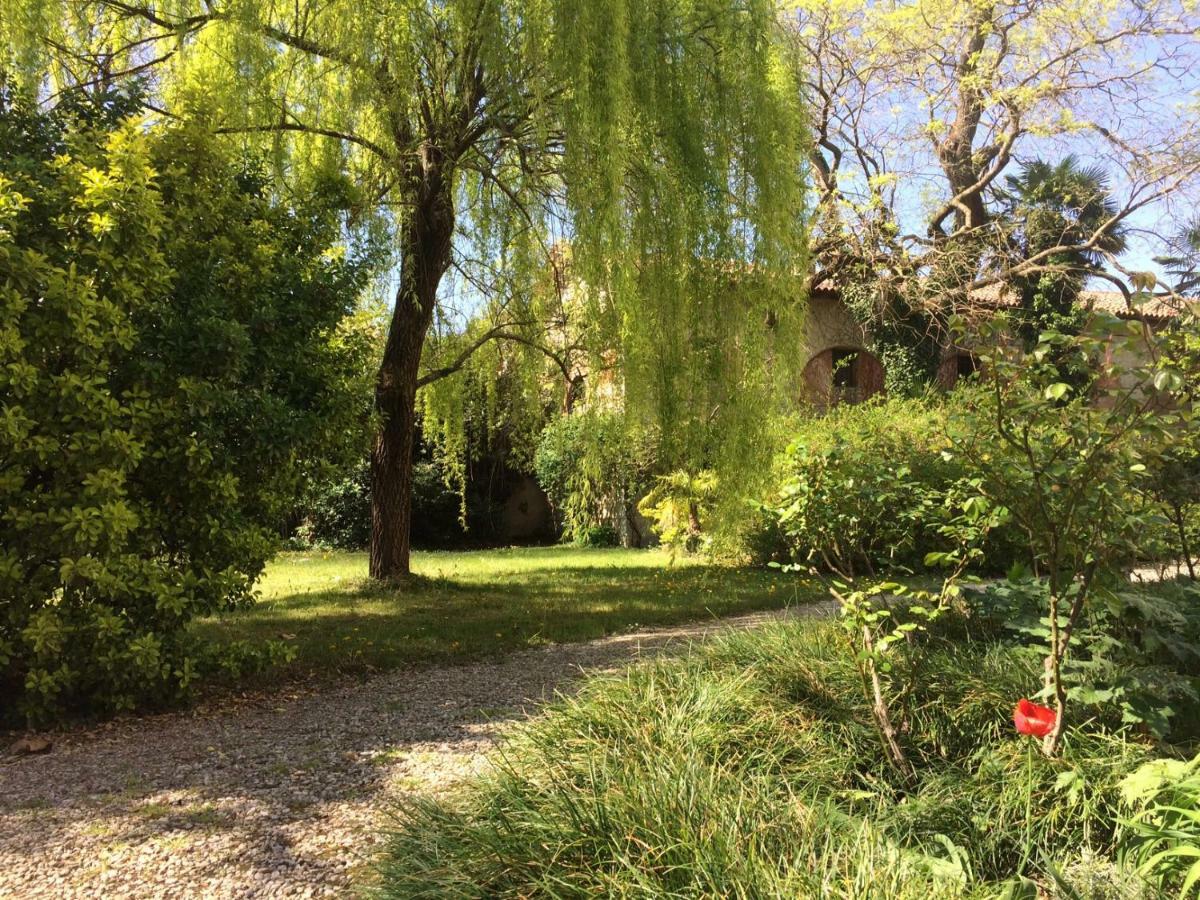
(286, 797)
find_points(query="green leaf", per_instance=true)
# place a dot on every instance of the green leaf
(1167, 380)
(1020, 888)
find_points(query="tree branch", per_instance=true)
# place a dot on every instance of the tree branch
(496, 333)
(377, 149)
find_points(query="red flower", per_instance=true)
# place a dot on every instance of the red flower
(1031, 719)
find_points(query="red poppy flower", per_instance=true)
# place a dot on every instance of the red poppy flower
(1034, 720)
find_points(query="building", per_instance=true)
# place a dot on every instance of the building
(840, 367)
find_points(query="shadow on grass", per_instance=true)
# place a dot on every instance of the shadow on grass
(356, 626)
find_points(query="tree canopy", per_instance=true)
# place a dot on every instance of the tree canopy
(662, 141)
(921, 109)
(1058, 205)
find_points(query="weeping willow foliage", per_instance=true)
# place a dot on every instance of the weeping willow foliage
(661, 140)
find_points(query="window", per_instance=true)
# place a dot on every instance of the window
(967, 365)
(844, 369)
(842, 375)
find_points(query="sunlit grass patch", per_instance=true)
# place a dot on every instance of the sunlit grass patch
(466, 605)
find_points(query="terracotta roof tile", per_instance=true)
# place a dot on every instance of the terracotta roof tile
(1156, 309)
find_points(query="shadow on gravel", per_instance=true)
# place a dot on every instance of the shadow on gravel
(285, 795)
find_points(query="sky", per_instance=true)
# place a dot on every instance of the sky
(1168, 106)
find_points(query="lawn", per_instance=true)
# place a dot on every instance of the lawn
(467, 605)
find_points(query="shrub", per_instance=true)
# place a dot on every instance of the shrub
(594, 468)
(757, 538)
(337, 511)
(751, 768)
(861, 486)
(693, 514)
(1061, 437)
(1135, 652)
(597, 536)
(677, 505)
(1175, 486)
(1162, 837)
(172, 360)
(868, 488)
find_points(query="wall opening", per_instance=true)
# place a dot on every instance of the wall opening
(842, 375)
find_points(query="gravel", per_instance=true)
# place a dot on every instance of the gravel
(286, 796)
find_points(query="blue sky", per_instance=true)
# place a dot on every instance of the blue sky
(1129, 105)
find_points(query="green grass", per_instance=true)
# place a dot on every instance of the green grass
(750, 769)
(466, 605)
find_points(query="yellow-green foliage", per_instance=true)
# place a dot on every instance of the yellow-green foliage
(662, 140)
(1162, 837)
(594, 469)
(172, 359)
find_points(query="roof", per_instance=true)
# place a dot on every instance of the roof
(1154, 309)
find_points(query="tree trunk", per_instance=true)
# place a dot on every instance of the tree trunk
(392, 454)
(1181, 525)
(956, 151)
(426, 248)
(883, 715)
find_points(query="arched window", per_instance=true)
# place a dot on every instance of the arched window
(967, 364)
(955, 366)
(842, 375)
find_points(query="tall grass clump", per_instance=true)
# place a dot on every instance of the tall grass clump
(752, 768)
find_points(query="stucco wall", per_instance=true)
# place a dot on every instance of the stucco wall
(830, 324)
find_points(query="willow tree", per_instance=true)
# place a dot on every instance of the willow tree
(661, 138)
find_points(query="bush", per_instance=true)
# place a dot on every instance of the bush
(867, 488)
(691, 514)
(757, 538)
(677, 505)
(1174, 485)
(594, 469)
(597, 536)
(1062, 438)
(1135, 651)
(172, 358)
(337, 512)
(751, 768)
